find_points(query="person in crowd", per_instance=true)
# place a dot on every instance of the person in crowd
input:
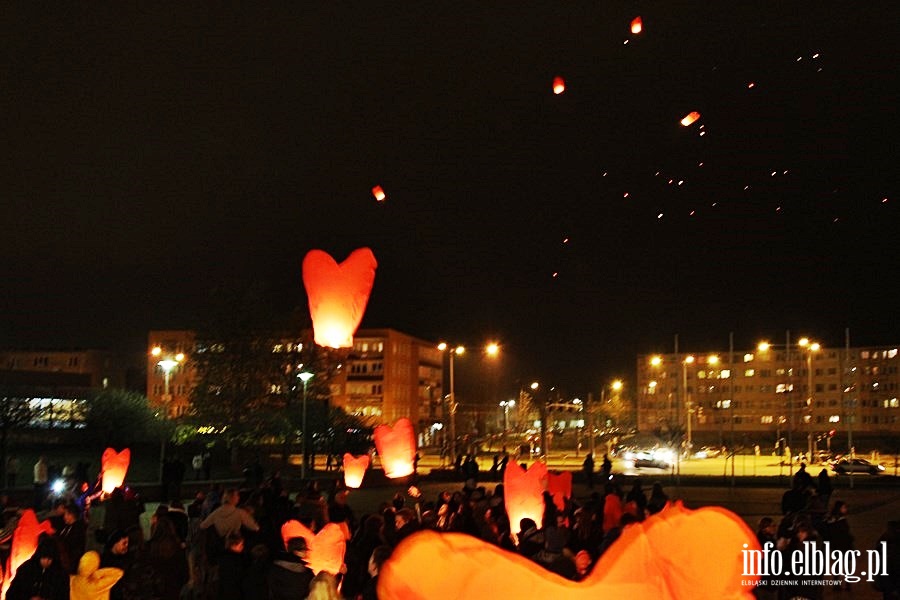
(823, 486)
(179, 518)
(658, 499)
(229, 517)
(117, 554)
(255, 585)
(888, 579)
(232, 568)
(802, 479)
(91, 582)
(166, 556)
(289, 576)
(41, 576)
(72, 538)
(405, 523)
(588, 467)
(324, 587)
(41, 481)
(637, 495)
(379, 556)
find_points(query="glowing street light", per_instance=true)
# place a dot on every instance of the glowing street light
(506, 405)
(304, 376)
(492, 350)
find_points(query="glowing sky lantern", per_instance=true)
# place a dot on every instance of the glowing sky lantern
(560, 487)
(690, 118)
(397, 448)
(325, 549)
(378, 192)
(559, 85)
(524, 493)
(355, 469)
(24, 543)
(666, 557)
(114, 467)
(637, 25)
(338, 294)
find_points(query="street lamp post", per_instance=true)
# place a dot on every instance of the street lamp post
(304, 376)
(810, 347)
(506, 405)
(492, 350)
(168, 365)
(687, 402)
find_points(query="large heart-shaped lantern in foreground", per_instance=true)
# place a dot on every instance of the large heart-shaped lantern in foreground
(397, 448)
(524, 493)
(355, 469)
(24, 543)
(115, 466)
(325, 550)
(675, 554)
(338, 294)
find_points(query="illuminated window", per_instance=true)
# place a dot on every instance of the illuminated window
(278, 348)
(834, 419)
(723, 404)
(864, 354)
(749, 373)
(701, 374)
(766, 419)
(748, 358)
(725, 374)
(892, 353)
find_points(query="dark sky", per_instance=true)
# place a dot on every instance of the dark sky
(149, 156)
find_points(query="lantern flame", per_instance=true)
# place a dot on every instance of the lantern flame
(338, 294)
(690, 118)
(637, 25)
(559, 85)
(378, 192)
(397, 448)
(355, 469)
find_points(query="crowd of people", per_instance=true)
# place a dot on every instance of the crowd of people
(227, 544)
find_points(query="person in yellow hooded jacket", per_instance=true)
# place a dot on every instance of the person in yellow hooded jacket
(91, 582)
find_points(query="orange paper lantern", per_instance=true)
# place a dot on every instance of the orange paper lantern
(397, 448)
(355, 469)
(378, 192)
(338, 294)
(667, 557)
(559, 85)
(637, 25)
(24, 543)
(524, 493)
(560, 486)
(690, 118)
(114, 467)
(325, 550)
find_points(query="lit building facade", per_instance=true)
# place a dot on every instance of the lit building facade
(170, 350)
(389, 375)
(784, 391)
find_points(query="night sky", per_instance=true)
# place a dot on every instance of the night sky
(149, 156)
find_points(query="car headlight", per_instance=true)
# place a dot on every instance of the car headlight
(881, 467)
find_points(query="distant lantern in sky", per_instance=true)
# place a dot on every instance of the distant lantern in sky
(378, 192)
(690, 118)
(559, 85)
(115, 466)
(637, 25)
(355, 469)
(397, 448)
(338, 294)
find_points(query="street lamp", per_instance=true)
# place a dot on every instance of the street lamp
(492, 350)
(304, 376)
(811, 348)
(167, 364)
(689, 359)
(616, 385)
(506, 405)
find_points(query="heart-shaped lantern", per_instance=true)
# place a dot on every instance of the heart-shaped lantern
(114, 467)
(355, 469)
(675, 554)
(338, 294)
(560, 487)
(325, 550)
(524, 493)
(397, 448)
(24, 542)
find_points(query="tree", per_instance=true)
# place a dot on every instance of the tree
(15, 413)
(119, 418)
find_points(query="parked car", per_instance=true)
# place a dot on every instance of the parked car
(856, 465)
(708, 452)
